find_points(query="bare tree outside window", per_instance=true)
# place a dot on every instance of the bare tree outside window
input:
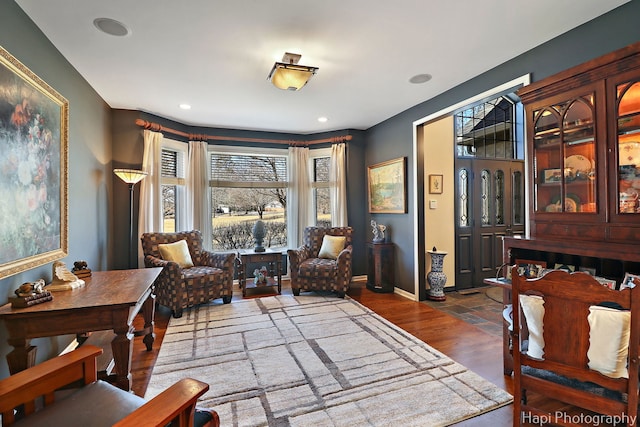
(169, 208)
(321, 191)
(246, 188)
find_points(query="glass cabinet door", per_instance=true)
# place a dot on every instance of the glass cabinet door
(564, 153)
(628, 118)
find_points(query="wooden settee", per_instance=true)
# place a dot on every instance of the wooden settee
(40, 396)
(575, 341)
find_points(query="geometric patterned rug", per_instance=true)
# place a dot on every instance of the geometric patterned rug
(316, 361)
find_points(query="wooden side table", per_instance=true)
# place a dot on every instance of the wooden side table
(271, 259)
(381, 272)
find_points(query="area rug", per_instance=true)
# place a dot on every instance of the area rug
(494, 293)
(316, 361)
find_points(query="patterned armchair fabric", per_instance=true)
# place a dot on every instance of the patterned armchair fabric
(308, 272)
(211, 276)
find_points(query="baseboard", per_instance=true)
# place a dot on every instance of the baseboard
(403, 293)
(359, 280)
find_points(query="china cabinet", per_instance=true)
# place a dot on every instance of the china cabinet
(583, 130)
(583, 165)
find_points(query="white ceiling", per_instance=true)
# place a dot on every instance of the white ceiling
(215, 55)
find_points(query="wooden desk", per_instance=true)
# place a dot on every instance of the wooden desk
(108, 300)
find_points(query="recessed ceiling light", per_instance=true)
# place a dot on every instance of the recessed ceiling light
(111, 27)
(420, 78)
(322, 119)
(185, 106)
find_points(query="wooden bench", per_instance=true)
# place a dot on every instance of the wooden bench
(579, 332)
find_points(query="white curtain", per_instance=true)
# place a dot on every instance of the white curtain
(150, 211)
(198, 194)
(299, 209)
(338, 189)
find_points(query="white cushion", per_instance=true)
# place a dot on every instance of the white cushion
(507, 314)
(533, 309)
(177, 252)
(331, 246)
(609, 341)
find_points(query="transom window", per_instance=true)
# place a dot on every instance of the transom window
(489, 130)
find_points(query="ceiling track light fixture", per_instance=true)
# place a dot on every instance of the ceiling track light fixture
(288, 75)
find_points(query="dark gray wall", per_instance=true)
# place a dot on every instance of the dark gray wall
(394, 137)
(89, 161)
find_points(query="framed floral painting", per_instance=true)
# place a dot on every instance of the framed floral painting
(33, 169)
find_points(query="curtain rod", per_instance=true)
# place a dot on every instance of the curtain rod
(204, 137)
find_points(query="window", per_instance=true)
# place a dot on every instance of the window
(172, 182)
(490, 130)
(320, 185)
(247, 185)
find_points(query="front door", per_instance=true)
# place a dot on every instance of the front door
(489, 205)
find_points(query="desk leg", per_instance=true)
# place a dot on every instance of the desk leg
(148, 313)
(22, 356)
(122, 347)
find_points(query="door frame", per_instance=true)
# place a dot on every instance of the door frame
(419, 249)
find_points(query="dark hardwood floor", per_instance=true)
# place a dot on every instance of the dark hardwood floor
(469, 345)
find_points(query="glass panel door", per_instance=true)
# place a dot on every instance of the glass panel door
(547, 160)
(579, 157)
(565, 157)
(628, 148)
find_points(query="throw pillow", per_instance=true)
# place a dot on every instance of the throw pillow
(533, 309)
(609, 341)
(331, 246)
(176, 252)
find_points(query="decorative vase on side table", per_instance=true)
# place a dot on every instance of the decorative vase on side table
(258, 232)
(436, 277)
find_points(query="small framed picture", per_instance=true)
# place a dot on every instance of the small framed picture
(528, 268)
(609, 283)
(435, 184)
(627, 282)
(551, 175)
(566, 267)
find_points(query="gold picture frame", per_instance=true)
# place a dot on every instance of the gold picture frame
(435, 184)
(387, 182)
(34, 128)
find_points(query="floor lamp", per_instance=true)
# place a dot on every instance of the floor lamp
(131, 177)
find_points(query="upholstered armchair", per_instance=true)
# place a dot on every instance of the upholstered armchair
(322, 264)
(190, 275)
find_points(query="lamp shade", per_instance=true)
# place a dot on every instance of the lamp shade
(290, 76)
(130, 176)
